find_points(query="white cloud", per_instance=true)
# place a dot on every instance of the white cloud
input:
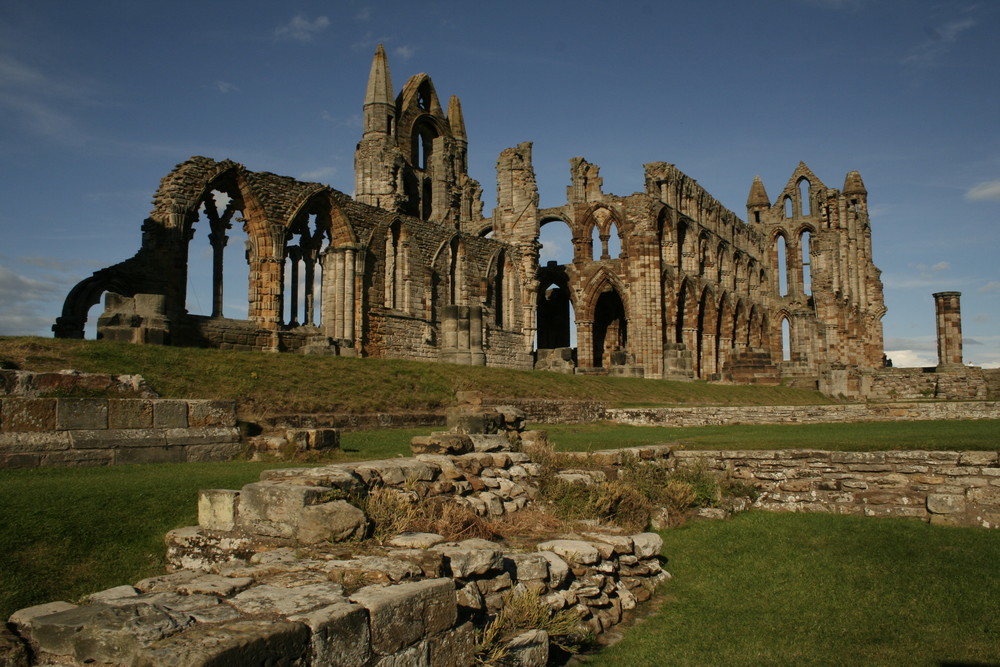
(363, 14)
(302, 29)
(985, 191)
(939, 42)
(911, 358)
(927, 275)
(404, 52)
(225, 87)
(23, 298)
(992, 286)
(317, 175)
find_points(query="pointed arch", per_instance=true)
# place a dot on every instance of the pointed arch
(605, 307)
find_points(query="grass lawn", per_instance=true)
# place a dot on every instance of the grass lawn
(864, 436)
(265, 384)
(820, 589)
(68, 532)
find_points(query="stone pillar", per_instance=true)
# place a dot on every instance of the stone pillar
(948, 313)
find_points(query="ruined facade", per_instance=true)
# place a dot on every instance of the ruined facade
(410, 267)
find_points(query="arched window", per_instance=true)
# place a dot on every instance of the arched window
(786, 340)
(788, 207)
(781, 267)
(556, 239)
(804, 202)
(806, 271)
(614, 242)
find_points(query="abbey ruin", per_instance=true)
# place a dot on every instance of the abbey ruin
(409, 267)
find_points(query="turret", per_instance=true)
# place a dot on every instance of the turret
(757, 201)
(380, 106)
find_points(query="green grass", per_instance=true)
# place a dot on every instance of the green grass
(67, 532)
(864, 436)
(818, 589)
(281, 383)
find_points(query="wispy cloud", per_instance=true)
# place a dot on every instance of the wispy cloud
(225, 87)
(23, 300)
(404, 52)
(317, 175)
(924, 275)
(939, 42)
(302, 29)
(363, 14)
(985, 191)
(38, 101)
(992, 286)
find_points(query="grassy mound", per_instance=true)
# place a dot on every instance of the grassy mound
(283, 383)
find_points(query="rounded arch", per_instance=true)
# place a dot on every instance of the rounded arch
(557, 238)
(85, 295)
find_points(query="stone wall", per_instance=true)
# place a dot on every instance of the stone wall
(956, 488)
(802, 414)
(109, 431)
(266, 577)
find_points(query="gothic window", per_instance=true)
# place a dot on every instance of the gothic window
(786, 340)
(229, 249)
(788, 207)
(806, 271)
(781, 266)
(804, 202)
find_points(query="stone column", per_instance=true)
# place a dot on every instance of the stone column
(948, 313)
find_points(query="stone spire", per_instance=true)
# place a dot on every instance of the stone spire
(853, 185)
(758, 195)
(455, 118)
(380, 107)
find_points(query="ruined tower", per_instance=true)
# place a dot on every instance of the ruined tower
(412, 158)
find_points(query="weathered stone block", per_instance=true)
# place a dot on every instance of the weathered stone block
(169, 413)
(28, 414)
(334, 521)
(104, 439)
(82, 457)
(453, 648)
(986, 495)
(81, 413)
(115, 634)
(647, 545)
(267, 599)
(340, 634)
(217, 508)
(130, 413)
(273, 508)
(203, 435)
(215, 452)
(529, 649)
(944, 503)
(211, 413)
(402, 614)
(451, 444)
(34, 442)
(471, 557)
(574, 551)
(232, 644)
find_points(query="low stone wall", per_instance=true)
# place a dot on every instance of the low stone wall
(267, 579)
(802, 414)
(955, 488)
(109, 431)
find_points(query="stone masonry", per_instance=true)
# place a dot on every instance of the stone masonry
(411, 268)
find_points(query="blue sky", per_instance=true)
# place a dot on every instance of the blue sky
(99, 100)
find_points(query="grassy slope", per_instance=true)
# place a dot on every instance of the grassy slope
(819, 589)
(279, 383)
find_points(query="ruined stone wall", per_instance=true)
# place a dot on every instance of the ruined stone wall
(258, 579)
(955, 488)
(802, 414)
(109, 431)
